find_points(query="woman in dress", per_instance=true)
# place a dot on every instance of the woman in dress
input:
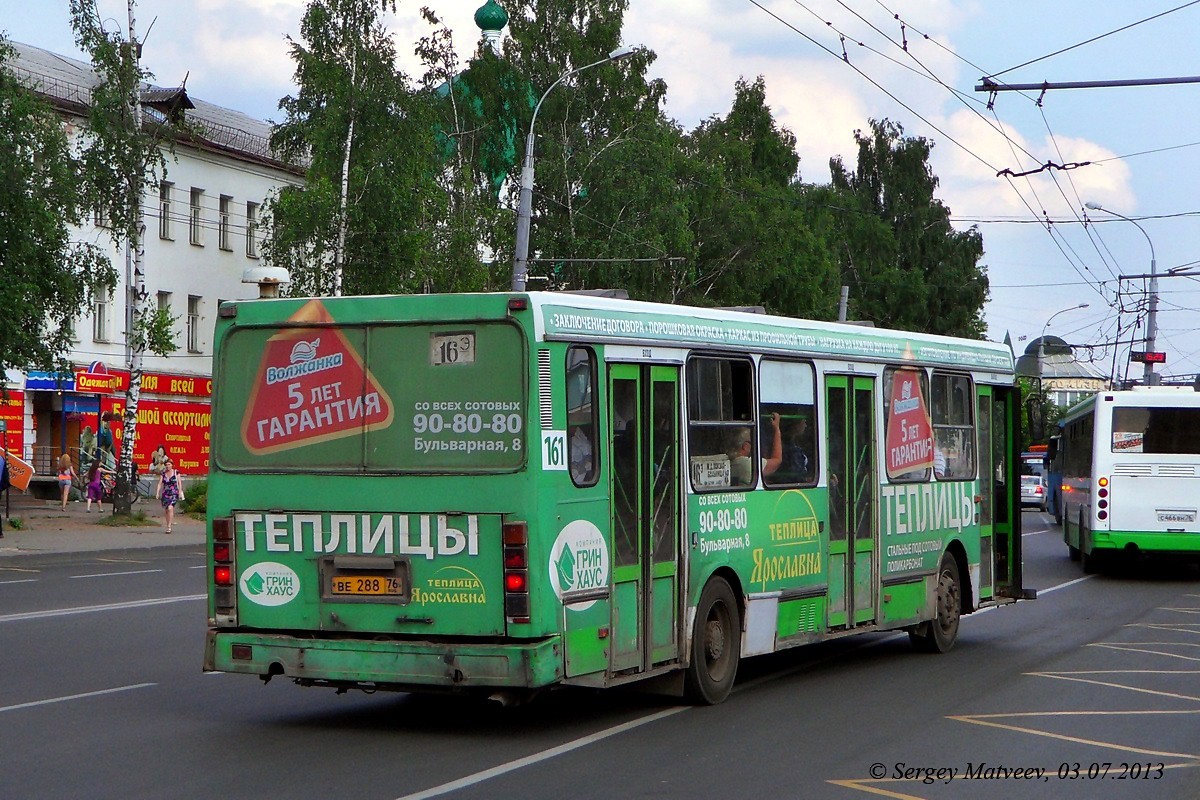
(66, 476)
(95, 490)
(170, 490)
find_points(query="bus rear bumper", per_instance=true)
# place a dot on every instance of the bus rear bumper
(386, 664)
(1164, 543)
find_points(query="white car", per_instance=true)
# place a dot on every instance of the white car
(1033, 491)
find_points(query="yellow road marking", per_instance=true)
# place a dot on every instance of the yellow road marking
(859, 784)
(1176, 627)
(1131, 649)
(977, 720)
(1063, 677)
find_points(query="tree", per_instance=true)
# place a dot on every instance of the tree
(47, 279)
(122, 152)
(357, 226)
(593, 132)
(931, 281)
(475, 111)
(762, 236)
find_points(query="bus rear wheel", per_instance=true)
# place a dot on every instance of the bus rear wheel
(716, 644)
(939, 634)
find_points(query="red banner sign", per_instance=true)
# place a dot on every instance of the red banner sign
(99, 379)
(182, 428)
(12, 411)
(299, 396)
(909, 433)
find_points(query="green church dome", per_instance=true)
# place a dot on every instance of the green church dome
(491, 17)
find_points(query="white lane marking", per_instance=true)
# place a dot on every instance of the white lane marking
(488, 774)
(116, 574)
(199, 566)
(1064, 585)
(50, 700)
(63, 612)
(23, 580)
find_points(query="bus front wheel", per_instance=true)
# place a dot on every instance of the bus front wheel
(716, 644)
(939, 634)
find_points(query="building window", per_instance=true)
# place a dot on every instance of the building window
(223, 224)
(194, 222)
(100, 216)
(252, 230)
(164, 302)
(100, 319)
(164, 209)
(193, 324)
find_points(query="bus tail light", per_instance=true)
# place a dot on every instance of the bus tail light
(516, 571)
(1102, 503)
(223, 566)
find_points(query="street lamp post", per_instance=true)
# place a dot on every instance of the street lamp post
(1042, 347)
(1148, 376)
(524, 206)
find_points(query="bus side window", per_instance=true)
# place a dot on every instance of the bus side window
(720, 409)
(788, 388)
(583, 454)
(954, 425)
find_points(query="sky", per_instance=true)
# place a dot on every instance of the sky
(831, 66)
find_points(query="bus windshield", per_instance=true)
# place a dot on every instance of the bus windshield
(319, 398)
(1159, 430)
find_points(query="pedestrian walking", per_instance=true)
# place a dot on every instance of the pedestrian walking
(95, 488)
(66, 476)
(169, 491)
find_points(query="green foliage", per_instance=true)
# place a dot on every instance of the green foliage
(118, 156)
(47, 278)
(16, 523)
(136, 518)
(1039, 416)
(929, 278)
(623, 197)
(195, 498)
(370, 146)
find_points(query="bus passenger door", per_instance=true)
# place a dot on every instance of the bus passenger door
(1000, 487)
(644, 459)
(853, 532)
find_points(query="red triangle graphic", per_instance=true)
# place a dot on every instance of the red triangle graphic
(312, 386)
(909, 443)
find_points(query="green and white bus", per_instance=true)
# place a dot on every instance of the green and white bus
(507, 492)
(1131, 475)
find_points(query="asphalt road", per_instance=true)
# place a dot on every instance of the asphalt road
(1095, 683)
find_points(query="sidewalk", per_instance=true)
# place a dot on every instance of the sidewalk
(47, 529)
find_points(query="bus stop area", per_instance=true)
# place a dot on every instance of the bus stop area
(46, 529)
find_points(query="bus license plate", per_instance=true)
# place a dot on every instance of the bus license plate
(366, 586)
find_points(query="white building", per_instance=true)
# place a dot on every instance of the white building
(203, 229)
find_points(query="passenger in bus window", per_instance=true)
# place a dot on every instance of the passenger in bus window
(741, 468)
(795, 450)
(939, 461)
(580, 449)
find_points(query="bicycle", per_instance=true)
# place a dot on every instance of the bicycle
(108, 488)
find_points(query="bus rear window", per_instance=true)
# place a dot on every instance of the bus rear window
(1165, 431)
(371, 398)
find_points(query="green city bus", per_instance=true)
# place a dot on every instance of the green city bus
(500, 493)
